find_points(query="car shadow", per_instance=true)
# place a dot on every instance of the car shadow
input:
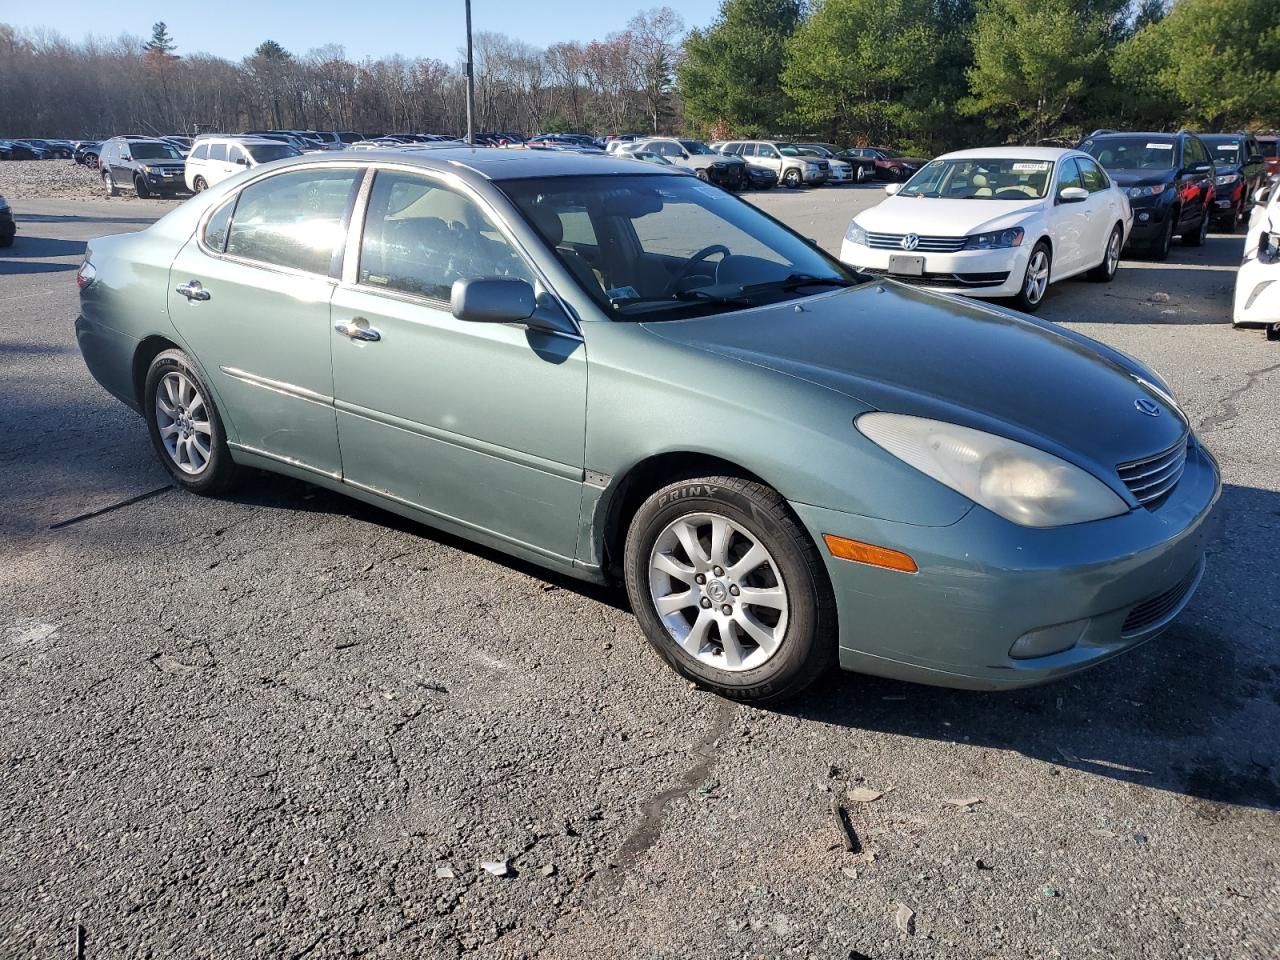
(10, 268)
(29, 248)
(69, 218)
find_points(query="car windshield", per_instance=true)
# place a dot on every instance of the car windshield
(981, 178)
(1132, 153)
(1225, 149)
(663, 247)
(694, 147)
(266, 152)
(1269, 148)
(817, 150)
(890, 153)
(153, 151)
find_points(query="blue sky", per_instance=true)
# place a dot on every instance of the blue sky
(232, 28)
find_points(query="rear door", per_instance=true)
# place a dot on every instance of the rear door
(258, 277)
(481, 424)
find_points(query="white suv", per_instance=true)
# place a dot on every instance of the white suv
(213, 159)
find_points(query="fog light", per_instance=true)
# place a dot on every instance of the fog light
(1047, 640)
(1144, 217)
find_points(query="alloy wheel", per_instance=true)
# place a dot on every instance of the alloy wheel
(1113, 253)
(718, 591)
(1037, 278)
(183, 420)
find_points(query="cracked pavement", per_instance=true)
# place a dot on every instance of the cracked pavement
(264, 726)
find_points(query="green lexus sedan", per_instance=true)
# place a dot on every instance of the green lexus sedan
(629, 375)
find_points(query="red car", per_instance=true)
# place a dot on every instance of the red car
(1269, 144)
(890, 164)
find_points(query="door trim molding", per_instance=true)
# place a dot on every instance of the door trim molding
(278, 386)
(287, 461)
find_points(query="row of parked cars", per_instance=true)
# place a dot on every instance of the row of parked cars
(1007, 222)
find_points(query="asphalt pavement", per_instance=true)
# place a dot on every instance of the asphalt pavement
(285, 724)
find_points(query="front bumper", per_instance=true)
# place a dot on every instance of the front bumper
(1149, 221)
(1257, 296)
(840, 175)
(983, 582)
(974, 273)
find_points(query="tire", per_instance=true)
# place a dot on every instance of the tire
(1105, 272)
(701, 175)
(1039, 268)
(109, 182)
(791, 179)
(1197, 237)
(174, 399)
(200, 186)
(859, 174)
(1161, 250)
(6, 242)
(798, 619)
(141, 189)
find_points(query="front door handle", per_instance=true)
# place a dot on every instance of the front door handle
(192, 290)
(358, 329)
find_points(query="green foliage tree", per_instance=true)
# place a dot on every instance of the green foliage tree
(878, 70)
(730, 71)
(1211, 63)
(160, 44)
(1034, 62)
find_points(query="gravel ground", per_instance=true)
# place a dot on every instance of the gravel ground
(284, 724)
(25, 180)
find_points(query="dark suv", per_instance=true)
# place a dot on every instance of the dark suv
(1170, 179)
(1241, 168)
(145, 165)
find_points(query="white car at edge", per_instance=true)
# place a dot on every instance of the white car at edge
(1257, 297)
(995, 222)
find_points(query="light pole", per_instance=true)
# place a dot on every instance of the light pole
(471, 84)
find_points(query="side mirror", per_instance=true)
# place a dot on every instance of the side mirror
(125, 156)
(242, 161)
(892, 188)
(1261, 196)
(684, 155)
(1073, 194)
(492, 300)
(1255, 158)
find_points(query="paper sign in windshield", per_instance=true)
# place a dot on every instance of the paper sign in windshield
(1228, 146)
(1030, 167)
(1159, 146)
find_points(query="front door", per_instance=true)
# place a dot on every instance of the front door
(1070, 221)
(481, 424)
(256, 284)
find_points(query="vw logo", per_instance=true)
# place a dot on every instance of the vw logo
(909, 242)
(1146, 406)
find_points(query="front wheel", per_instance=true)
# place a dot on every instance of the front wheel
(185, 427)
(1105, 272)
(791, 179)
(1197, 237)
(109, 183)
(1035, 280)
(200, 186)
(729, 588)
(140, 188)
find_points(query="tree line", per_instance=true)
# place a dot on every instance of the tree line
(925, 75)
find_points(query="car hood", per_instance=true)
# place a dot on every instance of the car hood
(944, 218)
(1140, 178)
(910, 351)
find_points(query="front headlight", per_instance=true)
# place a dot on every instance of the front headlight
(1227, 178)
(855, 234)
(1020, 483)
(1137, 193)
(998, 240)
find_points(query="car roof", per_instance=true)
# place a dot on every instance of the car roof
(490, 164)
(1013, 153)
(1140, 133)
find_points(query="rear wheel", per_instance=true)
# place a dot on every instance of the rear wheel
(1105, 272)
(1035, 281)
(185, 427)
(729, 588)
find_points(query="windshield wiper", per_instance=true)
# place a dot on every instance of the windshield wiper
(793, 280)
(682, 296)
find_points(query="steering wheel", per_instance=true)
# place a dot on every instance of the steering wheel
(686, 268)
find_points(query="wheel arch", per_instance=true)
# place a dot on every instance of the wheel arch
(148, 349)
(627, 492)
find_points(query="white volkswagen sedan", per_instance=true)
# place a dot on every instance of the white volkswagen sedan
(997, 222)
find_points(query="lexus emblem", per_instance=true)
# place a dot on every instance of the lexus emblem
(909, 242)
(1149, 407)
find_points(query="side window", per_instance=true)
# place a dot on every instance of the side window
(217, 151)
(1094, 179)
(294, 219)
(215, 230)
(1068, 175)
(765, 150)
(234, 154)
(747, 150)
(420, 236)
(201, 152)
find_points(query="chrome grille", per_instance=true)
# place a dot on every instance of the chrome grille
(1152, 478)
(893, 241)
(1158, 610)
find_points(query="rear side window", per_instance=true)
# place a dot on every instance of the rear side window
(201, 152)
(218, 151)
(215, 230)
(420, 236)
(294, 220)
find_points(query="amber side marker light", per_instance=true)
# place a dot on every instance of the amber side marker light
(869, 553)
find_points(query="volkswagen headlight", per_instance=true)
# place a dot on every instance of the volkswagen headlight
(1227, 178)
(855, 234)
(1020, 483)
(997, 240)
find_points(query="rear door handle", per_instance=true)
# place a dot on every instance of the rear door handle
(192, 290)
(358, 329)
